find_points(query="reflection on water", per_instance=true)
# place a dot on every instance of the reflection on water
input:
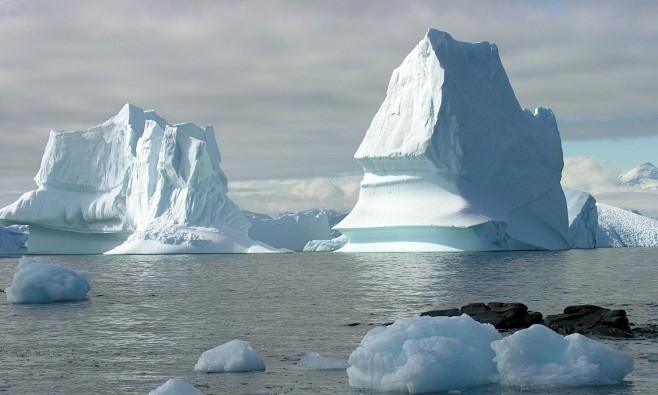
(149, 318)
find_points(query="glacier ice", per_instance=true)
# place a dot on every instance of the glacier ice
(289, 231)
(537, 357)
(425, 354)
(132, 185)
(13, 239)
(176, 386)
(452, 162)
(234, 356)
(622, 228)
(38, 281)
(326, 245)
(583, 218)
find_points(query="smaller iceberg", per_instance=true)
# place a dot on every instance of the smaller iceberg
(538, 357)
(425, 354)
(234, 356)
(176, 386)
(37, 281)
(326, 245)
(13, 239)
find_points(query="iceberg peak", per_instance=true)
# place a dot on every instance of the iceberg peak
(453, 162)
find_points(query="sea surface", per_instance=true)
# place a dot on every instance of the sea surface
(149, 318)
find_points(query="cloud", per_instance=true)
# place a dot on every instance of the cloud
(601, 180)
(291, 86)
(277, 196)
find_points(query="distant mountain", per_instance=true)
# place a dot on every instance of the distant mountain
(645, 176)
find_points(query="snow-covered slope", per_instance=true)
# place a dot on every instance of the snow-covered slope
(452, 162)
(13, 239)
(583, 218)
(644, 176)
(132, 185)
(623, 228)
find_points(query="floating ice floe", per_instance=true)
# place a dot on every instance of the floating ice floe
(37, 281)
(431, 354)
(315, 361)
(425, 354)
(538, 357)
(234, 356)
(13, 239)
(176, 386)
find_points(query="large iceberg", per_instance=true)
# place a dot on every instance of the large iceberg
(133, 185)
(13, 239)
(452, 162)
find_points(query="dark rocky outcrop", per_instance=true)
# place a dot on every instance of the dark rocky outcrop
(500, 315)
(590, 320)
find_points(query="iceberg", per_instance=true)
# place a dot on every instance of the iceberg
(537, 357)
(425, 354)
(13, 239)
(622, 228)
(132, 185)
(176, 386)
(38, 281)
(453, 163)
(583, 218)
(326, 245)
(234, 356)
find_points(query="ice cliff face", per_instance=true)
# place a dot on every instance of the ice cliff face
(623, 228)
(133, 184)
(13, 239)
(583, 218)
(452, 162)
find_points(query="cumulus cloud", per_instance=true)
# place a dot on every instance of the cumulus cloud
(277, 196)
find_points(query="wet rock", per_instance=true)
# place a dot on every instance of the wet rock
(500, 315)
(590, 320)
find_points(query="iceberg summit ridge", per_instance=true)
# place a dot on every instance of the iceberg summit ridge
(132, 185)
(452, 162)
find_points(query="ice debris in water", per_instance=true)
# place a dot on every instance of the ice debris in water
(176, 386)
(234, 356)
(429, 354)
(538, 357)
(425, 354)
(37, 281)
(315, 361)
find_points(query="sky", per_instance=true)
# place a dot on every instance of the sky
(291, 86)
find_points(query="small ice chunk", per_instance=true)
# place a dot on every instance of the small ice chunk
(176, 386)
(538, 357)
(315, 361)
(234, 356)
(37, 281)
(425, 354)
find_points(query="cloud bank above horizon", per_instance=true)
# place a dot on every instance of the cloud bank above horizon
(291, 87)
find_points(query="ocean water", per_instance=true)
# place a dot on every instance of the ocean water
(149, 318)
